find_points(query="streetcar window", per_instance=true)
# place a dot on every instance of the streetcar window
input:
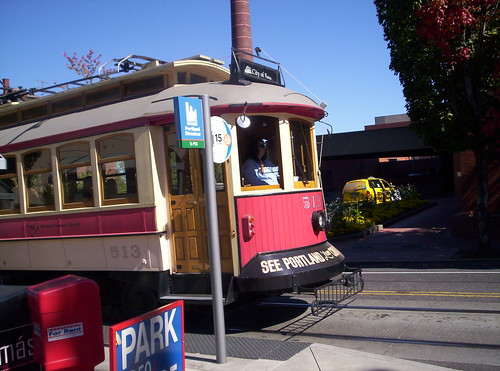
(76, 175)
(103, 96)
(34, 113)
(68, 104)
(197, 79)
(118, 169)
(9, 187)
(262, 133)
(8, 119)
(219, 177)
(190, 78)
(181, 77)
(180, 169)
(38, 180)
(180, 165)
(143, 86)
(302, 151)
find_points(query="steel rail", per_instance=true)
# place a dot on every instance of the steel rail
(405, 341)
(407, 309)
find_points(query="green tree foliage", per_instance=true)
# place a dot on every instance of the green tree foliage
(447, 53)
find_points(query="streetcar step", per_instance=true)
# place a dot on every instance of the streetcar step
(188, 297)
(329, 295)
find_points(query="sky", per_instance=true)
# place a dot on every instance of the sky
(331, 50)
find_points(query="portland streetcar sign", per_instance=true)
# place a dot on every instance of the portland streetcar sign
(189, 122)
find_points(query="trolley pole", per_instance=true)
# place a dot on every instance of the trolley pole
(213, 237)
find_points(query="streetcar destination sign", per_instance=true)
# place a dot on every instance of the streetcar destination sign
(189, 122)
(244, 69)
(152, 341)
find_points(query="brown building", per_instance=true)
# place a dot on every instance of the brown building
(389, 149)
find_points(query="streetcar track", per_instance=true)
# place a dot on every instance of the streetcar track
(400, 341)
(295, 336)
(432, 293)
(403, 309)
(416, 309)
(296, 333)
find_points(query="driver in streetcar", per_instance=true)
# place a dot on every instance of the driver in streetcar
(258, 169)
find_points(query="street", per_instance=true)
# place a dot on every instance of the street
(448, 318)
(444, 318)
(416, 303)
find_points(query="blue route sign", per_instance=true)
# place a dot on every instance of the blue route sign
(153, 341)
(189, 122)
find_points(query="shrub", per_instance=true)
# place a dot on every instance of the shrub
(347, 218)
(354, 217)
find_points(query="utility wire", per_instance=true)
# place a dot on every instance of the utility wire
(314, 95)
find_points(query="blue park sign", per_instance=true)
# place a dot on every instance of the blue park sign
(189, 122)
(151, 342)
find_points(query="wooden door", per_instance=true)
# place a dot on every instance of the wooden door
(188, 211)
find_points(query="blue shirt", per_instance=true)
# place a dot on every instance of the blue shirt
(260, 173)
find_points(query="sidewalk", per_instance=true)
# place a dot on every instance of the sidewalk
(314, 358)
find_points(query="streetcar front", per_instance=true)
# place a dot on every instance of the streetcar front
(279, 242)
(282, 240)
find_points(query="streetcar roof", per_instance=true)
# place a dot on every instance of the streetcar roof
(157, 109)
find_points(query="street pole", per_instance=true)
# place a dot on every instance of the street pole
(213, 237)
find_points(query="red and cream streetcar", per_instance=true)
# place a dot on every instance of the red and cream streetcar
(94, 184)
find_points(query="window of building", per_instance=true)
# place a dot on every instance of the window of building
(302, 152)
(76, 175)
(9, 187)
(118, 170)
(38, 180)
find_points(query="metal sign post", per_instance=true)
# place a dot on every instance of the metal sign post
(213, 237)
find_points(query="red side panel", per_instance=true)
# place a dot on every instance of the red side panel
(282, 222)
(82, 224)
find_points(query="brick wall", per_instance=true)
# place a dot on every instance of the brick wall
(465, 181)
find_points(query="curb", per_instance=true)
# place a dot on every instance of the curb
(429, 264)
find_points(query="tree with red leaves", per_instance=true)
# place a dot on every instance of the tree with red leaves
(447, 56)
(85, 66)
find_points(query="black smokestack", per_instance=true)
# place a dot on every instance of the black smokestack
(241, 31)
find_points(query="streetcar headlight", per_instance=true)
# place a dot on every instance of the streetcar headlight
(318, 220)
(3, 163)
(329, 223)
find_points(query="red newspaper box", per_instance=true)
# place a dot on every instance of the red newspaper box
(67, 323)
